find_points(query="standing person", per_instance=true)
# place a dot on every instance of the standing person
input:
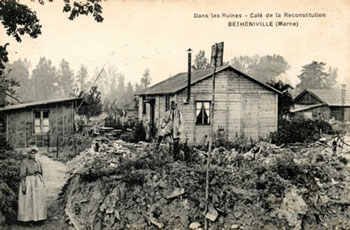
(31, 199)
(171, 127)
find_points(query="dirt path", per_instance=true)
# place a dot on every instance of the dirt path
(55, 177)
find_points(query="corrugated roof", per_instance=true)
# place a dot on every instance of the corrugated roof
(179, 81)
(26, 105)
(331, 97)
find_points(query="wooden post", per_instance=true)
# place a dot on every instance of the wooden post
(48, 142)
(75, 146)
(25, 128)
(16, 119)
(227, 119)
(276, 112)
(210, 145)
(258, 117)
(159, 116)
(62, 118)
(195, 118)
(57, 143)
(73, 122)
(7, 127)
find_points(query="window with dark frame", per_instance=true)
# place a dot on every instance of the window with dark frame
(41, 121)
(203, 112)
(167, 103)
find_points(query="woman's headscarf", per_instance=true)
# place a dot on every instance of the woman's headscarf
(32, 148)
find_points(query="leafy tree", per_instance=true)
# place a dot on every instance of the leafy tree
(82, 78)
(244, 63)
(313, 75)
(45, 80)
(111, 78)
(18, 19)
(120, 89)
(265, 68)
(7, 88)
(117, 88)
(94, 105)
(129, 96)
(144, 82)
(146, 79)
(19, 71)
(66, 78)
(285, 100)
(200, 61)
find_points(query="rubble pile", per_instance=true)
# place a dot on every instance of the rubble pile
(71, 146)
(130, 186)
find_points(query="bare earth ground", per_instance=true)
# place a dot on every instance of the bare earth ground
(55, 177)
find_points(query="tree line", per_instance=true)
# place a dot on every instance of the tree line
(270, 67)
(49, 82)
(46, 81)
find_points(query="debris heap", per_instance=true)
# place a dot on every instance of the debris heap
(130, 186)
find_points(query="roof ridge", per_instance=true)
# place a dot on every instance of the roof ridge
(171, 86)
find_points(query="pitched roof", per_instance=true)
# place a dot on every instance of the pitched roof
(331, 97)
(32, 104)
(179, 81)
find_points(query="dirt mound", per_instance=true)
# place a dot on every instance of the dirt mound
(129, 186)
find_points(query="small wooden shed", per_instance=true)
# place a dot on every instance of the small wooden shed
(323, 104)
(243, 104)
(39, 123)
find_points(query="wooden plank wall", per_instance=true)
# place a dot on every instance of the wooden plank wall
(21, 125)
(308, 99)
(347, 114)
(325, 110)
(241, 105)
(268, 112)
(11, 127)
(338, 113)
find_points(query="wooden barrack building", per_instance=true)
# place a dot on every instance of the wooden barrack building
(40, 123)
(323, 104)
(243, 104)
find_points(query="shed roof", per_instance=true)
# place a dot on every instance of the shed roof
(179, 81)
(299, 108)
(331, 97)
(33, 104)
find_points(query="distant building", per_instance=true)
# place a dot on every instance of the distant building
(323, 104)
(39, 123)
(242, 104)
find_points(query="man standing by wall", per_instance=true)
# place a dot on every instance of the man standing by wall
(171, 127)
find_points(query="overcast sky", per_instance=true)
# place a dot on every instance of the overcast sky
(156, 34)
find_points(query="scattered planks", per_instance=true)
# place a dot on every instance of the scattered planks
(153, 220)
